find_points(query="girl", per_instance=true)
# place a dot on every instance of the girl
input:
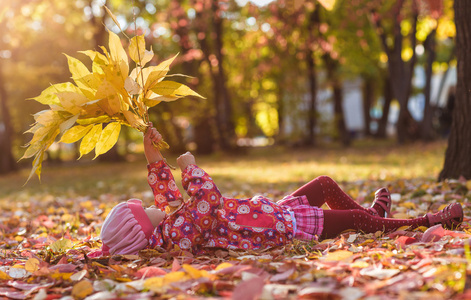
(208, 220)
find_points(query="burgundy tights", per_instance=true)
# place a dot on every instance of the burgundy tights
(345, 213)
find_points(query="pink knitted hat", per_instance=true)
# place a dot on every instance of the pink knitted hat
(126, 229)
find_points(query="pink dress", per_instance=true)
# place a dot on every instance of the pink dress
(208, 220)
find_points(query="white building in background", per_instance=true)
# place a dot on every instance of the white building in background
(353, 104)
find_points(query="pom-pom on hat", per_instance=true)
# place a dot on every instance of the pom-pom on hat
(126, 229)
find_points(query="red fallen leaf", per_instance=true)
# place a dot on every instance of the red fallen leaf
(175, 265)
(318, 293)
(157, 261)
(282, 276)
(405, 240)
(248, 289)
(226, 294)
(221, 253)
(397, 233)
(12, 293)
(31, 288)
(433, 234)
(221, 285)
(54, 296)
(256, 271)
(63, 260)
(147, 272)
(42, 271)
(233, 270)
(45, 221)
(202, 285)
(64, 268)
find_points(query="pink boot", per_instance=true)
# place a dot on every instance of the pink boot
(383, 200)
(450, 217)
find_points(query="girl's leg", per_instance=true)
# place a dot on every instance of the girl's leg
(324, 189)
(337, 221)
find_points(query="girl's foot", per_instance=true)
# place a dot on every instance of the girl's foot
(381, 206)
(450, 217)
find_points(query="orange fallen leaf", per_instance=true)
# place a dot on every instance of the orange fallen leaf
(82, 289)
(338, 255)
(32, 265)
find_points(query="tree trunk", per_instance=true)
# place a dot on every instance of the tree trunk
(400, 71)
(331, 66)
(339, 114)
(204, 34)
(280, 110)
(201, 117)
(426, 125)
(204, 138)
(312, 120)
(457, 156)
(368, 98)
(312, 79)
(176, 137)
(226, 105)
(7, 162)
(388, 97)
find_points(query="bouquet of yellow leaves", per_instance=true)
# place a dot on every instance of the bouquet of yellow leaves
(101, 101)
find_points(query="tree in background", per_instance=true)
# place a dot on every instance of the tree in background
(435, 30)
(457, 156)
(7, 162)
(31, 57)
(390, 18)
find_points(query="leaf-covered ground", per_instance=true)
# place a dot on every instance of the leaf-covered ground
(45, 236)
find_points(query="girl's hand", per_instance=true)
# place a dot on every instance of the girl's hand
(151, 138)
(185, 159)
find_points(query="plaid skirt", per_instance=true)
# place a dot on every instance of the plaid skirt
(308, 220)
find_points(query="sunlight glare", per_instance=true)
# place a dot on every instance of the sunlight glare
(256, 2)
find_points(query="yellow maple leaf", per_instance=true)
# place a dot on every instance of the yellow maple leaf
(82, 289)
(223, 266)
(90, 139)
(108, 138)
(154, 284)
(75, 133)
(173, 89)
(338, 255)
(60, 245)
(32, 265)
(4, 276)
(193, 272)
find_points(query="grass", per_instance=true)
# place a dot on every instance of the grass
(273, 171)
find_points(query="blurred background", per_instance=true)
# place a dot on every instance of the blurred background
(288, 72)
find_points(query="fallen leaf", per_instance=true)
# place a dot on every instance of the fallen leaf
(148, 272)
(248, 289)
(223, 266)
(61, 245)
(337, 255)
(79, 275)
(17, 272)
(379, 273)
(82, 289)
(32, 265)
(4, 276)
(404, 240)
(317, 293)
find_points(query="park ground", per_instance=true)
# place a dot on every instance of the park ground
(48, 228)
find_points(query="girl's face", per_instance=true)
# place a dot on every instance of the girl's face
(155, 215)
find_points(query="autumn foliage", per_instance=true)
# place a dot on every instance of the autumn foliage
(101, 101)
(45, 243)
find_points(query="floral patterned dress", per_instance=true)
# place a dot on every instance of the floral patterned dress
(208, 220)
